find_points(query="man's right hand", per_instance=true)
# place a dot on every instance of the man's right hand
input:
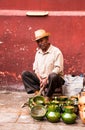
(43, 82)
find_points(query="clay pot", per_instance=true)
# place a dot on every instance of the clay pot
(81, 102)
(81, 105)
(69, 117)
(53, 116)
(38, 112)
(82, 115)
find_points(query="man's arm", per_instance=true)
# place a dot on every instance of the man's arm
(58, 64)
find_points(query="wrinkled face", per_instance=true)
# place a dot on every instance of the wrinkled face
(43, 43)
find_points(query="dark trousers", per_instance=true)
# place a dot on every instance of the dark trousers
(32, 83)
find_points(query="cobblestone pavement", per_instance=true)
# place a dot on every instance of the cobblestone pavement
(14, 117)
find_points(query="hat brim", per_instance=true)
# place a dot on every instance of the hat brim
(44, 35)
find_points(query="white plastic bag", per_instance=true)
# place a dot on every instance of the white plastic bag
(73, 85)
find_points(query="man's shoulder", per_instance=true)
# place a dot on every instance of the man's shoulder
(56, 48)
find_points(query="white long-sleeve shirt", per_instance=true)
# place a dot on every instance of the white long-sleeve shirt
(48, 62)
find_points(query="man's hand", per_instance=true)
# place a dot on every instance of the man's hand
(43, 82)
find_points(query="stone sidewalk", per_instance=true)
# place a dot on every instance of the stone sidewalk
(14, 117)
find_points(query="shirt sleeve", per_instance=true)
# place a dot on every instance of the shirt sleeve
(35, 64)
(58, 65)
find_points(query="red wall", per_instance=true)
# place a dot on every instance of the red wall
(43, 4)
(17, 48)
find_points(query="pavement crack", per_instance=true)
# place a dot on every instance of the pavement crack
(19, 114)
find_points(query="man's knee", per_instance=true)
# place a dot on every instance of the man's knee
(56, 77)
(53, 75)
(25, 74)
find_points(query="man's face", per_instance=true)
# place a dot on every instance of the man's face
(43, 43)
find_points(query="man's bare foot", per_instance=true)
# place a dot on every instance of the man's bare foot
(47, 99)
(36, 92)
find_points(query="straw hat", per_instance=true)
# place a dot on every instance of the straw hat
(40, 34)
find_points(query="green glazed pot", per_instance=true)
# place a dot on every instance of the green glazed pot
(38, 112)
(53, 116)
(39, 100)
(62, 98)
(69, 117)
(53, 107)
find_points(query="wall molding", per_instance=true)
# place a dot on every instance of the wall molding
(50, 13)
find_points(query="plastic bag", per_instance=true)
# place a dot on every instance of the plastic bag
(72, 85)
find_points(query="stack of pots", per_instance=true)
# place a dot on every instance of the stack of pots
(81, 105)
